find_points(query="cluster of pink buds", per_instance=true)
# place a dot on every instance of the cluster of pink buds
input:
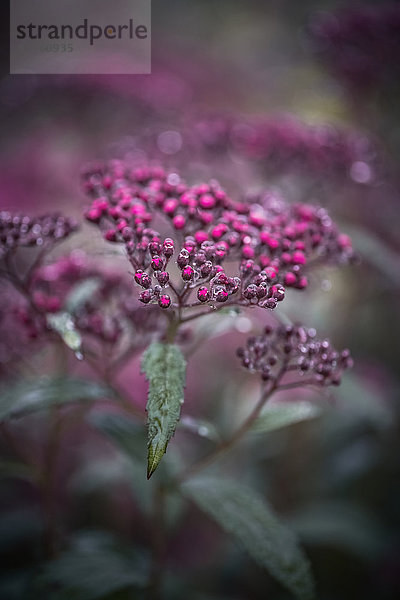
(288, 240)
(201, 272)
(99, 301)
(267, 243)
(18, 231)
(105, 307)
(285, 351)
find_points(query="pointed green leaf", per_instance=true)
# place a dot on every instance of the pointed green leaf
(282, 414)
(164, 367)
(243, 513)
(36, 394)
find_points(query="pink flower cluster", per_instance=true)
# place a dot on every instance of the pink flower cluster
(103, 311)
(223, 248)
(284, 143)
(284, 351)
(18, 231)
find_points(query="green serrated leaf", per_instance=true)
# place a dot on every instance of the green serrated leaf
(164, 367)
(36, 394)
(243, 513)
(282, 414)
(64, 324)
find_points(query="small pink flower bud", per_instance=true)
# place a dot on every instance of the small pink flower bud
(187, 273)
(164, 301)
(203, 294)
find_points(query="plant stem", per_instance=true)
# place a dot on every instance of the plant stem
(208, 311)
(120, 396)
(158, 544)
(230, 442)
(48, 476)
(172, 330)
(51, 451)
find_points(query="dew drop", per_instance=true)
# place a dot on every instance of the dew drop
(243, 325)
(169, 142)
(326, 285)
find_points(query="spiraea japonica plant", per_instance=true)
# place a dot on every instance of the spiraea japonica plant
(190, 252)
(193, 250)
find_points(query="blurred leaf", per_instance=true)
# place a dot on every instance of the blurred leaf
(37, 394)
(243, 513)
(200, 427)
(341, 525)
(81, 293)
(16, 584)
(357, 400)
(165, 367)
(129, 437)
(99, 474)
(348, 460)
(278, 415)
(10, 469)
(376, 252)
(125, 433)
(64, 324)
(18, 526)
(95, 567)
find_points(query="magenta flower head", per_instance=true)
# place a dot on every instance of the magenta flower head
(284, 144)
(292, 354)
(268, 244)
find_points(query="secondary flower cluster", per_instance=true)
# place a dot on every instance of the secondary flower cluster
(360, 44)
(97, 303)
(285, 144)
(99, 300)
(18, 231)
(267, 243)
(14, 334)
(287, 350)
